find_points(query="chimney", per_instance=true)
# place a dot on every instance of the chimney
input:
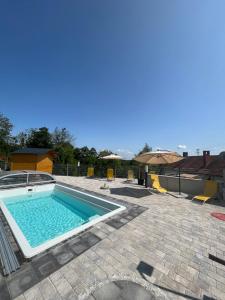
(185, 154)
(206, 155)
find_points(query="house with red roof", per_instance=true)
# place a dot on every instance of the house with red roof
(205, 166)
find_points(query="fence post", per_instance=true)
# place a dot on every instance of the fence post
(67, 171)
(78, 167)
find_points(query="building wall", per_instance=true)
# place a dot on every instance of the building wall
(45, 164)
(188, 186)
(23, 162)
(31, 162)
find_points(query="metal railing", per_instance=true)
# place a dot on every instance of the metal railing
(99, 171)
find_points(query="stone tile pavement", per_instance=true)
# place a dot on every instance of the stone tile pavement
(121, 290)
(165, 249)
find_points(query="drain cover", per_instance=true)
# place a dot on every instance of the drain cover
(219, 216)
(123, 289)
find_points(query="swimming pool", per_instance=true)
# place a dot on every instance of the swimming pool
(43, 216)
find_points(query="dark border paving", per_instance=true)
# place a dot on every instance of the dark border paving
(120, 220)
(43, 265)
(4, 292)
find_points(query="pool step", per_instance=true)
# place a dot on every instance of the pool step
(8, 258)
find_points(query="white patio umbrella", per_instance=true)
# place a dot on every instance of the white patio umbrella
(112, 157)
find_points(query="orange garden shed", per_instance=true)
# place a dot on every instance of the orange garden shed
(37, 159)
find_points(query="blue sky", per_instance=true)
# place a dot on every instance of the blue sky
(116, 73)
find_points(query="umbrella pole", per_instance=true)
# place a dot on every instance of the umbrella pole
(146, 176)
(179, 181)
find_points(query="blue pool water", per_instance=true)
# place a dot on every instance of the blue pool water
(46, 215)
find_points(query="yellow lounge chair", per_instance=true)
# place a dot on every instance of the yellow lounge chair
(156, 184)
(90, 172)
(110, 174)
(210, 190)
(130, 175)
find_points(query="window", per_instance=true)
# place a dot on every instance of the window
(21, 179)
(14, 179)
(39, 178)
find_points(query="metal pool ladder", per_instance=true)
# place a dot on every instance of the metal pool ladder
(8, 258)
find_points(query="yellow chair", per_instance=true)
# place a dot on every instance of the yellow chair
(130, 175)
(90, 172)
(210, 190)
(156, 184)
(110, 174)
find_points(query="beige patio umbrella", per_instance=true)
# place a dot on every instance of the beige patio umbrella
(112, 157)
(159, 158)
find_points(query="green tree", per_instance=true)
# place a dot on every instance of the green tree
(39, 138)
(145, 149)
(104, 163)
(63, 145)
(6, 140)
(104, 152)
(81, 154)
(92, 157)
(21, 138)
(62, 136)
(65, 153)
(86, 155)
(76, 153)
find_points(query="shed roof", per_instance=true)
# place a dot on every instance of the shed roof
(36, 151)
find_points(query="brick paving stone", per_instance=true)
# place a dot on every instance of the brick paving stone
(193, 273)
(99, 233)
(62, 286)
(194, 288)
(173, 237)
(20, 281)
(80, 290)
(218, 294)
(203, 274)
(110, 291)
(220, 286)
(4, 292)
(182, 280)
(217, 277)
(70, 275)
(21, 297)
(44, 265)
(162, 268)
(172, 285)
(201, 283)
(48, 290)
(220, 272)
(33, 294)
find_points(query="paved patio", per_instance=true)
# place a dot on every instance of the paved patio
(165, 249)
